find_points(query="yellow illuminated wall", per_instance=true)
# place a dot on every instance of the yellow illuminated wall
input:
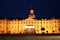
(3, 26)
(17, 26)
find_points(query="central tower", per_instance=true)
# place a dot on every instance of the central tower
(31, 14)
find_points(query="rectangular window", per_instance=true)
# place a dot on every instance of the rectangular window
(55, 21)
(0, 26)
(3, 22)
(0, 22)
(58, 21)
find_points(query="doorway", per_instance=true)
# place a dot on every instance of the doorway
(29, 31)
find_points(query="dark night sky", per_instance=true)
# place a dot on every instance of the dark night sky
(20, 8)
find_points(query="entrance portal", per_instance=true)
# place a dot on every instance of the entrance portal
(29, 29)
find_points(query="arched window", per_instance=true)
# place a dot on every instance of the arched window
(2, 32)
(0, 22)
(53, 31)
(59, 29)
(46, 31)
(58, 21)
(55, 21)
(42, 29)
(9, 32)
(3, 22)
(0, 26)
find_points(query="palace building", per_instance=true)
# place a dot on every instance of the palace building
(29, 25)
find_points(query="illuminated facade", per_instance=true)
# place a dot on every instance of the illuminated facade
(29, 25)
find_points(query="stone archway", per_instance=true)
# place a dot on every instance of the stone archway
(29, 29)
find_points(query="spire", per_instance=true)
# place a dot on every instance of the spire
(31, 6)
(31, 11)
(31, 14)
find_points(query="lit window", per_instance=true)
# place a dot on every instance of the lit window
(55, 21)
(55, 25)
(46, 22)
(38, 26)
(15, 23)
(59, 29)
(58, 21)
(21, 22)
(38, 22)
(2, 31)
(0, 22)
(37, 30)
(9, 32)
(0, 26)
(49, 22)
(24, 22)
(29, 26)
(53, 31)
(47, 31)
(3, 22)
(34, 22)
